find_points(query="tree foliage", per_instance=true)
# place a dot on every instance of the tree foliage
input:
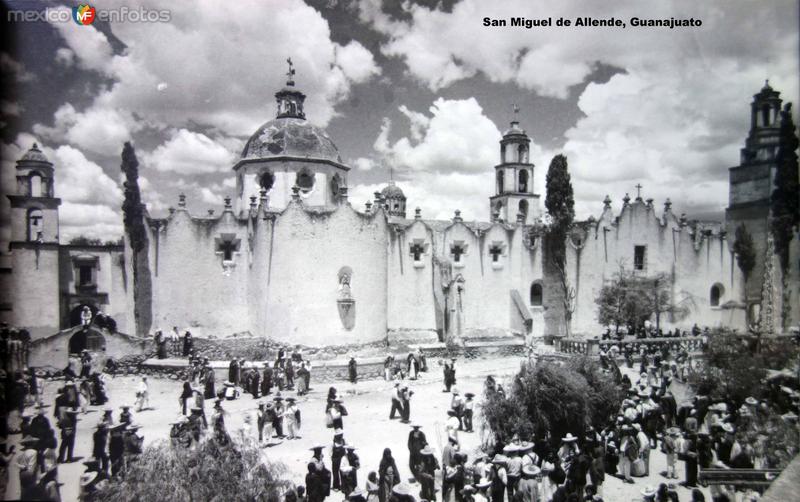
(560, 204)
(745, 251)
(209, 472)
(551, 400)
(734, 368)
(630, 299)
(785, 203)
(82, 240)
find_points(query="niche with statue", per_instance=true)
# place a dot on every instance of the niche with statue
(345, 302)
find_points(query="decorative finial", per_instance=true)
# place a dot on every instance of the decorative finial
(35, 146)
(182, 200)
(496, 215)
(253, 200)
(515, 107)
(417, 214)
(295, 192)
(683, 219)
(342, 193)
(650, 202)
(667, 205)
(290, 73)
(626, 200)
(520, 218)
(228, 202)
(171, 210)
(263, 194)
(607, 202)
(457, 216)
(211, 212)
(368, 205)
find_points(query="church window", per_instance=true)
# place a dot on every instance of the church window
(266, 181)
(417, 249)
(717, 290)
(35, 224)
(36, 185)
(523, 208)
(226, 246)
(536, 294)
(500, 181)
(496, 251)
(639, 257)
(305, 180)
(458, 249)
(522, 153)
(765, 115)
(523, 180)
(85, 275)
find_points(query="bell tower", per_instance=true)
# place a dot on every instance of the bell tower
(34, 208)
(290, 100)
(514, 200)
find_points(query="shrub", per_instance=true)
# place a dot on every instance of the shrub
(208, 472)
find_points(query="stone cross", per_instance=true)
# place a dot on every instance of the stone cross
(290, 73)
(639, 190)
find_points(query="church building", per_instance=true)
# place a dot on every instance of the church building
(290, 258)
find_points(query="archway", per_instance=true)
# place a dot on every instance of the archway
(75, 314)
(86, 339)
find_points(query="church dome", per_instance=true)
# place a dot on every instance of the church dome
(34, 155)
(392, 191)
(290, 137)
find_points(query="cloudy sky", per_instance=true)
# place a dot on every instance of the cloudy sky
(419, 87)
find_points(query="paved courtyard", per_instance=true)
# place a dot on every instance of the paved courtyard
(367, 426)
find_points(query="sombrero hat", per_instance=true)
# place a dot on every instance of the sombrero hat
(317, 447)
(88, 478)
(510, 448)
(402, 490)
(525, 446)
(426, 451)
(531, 470)
(483, 484)
(649, 491)
(569, 438)
(358, 492)
(29, 441)
(499, 459)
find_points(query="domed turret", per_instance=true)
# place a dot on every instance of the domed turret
(289, 152)
(34, 155)
(395, 200)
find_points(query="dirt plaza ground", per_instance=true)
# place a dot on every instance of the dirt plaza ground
(367, 426)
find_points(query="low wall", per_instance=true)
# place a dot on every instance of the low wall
(52, 352)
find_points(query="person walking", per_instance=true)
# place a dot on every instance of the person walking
(188, 344)
(468, 410)
(405, 402)
(143, 395)
(67, 424)
(396, 403)
(116, 448)
(292, 419)
(425, 472)
(388, 475)
(186, 398)
(337, 453)
(498, 477)
(352, 370)
(349, 470)
(416, 443)
(100, 445)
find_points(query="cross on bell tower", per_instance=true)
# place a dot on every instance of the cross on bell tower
(638, 191)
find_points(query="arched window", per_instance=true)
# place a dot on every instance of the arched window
(305, 180)
(523, 180)
(765, 115)
(536, 294)
(523, 209)
(717, 291)
(266, 181)
(36, 188)
(35, 224)
(522, 154)
(501, 176)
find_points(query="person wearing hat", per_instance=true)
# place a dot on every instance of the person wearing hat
(132, 444)
(401, 492)
(266, 380)
(116, 448)
(218, 423)
(481, 490)
(108, 416)
(425, 472)
(143, 395)
(468, 410)
(528, 487)
(337, 411)
(669, 445)
(207, 378)
(337, 453)
(498, 478)
(194, 426)
(352, 370)
(568, 451)
(27, 463)
(349, 470)
(67, 426)
(262, 419)
(291, 418)
(648, 494)
(100, 444)
(416, 442)
(396, 403)
(467, 494)
(449, 370)
(457, 405)
(278, 409)
(405, 402)
(513, 468)
(452, 424)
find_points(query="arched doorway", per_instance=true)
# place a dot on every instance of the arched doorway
(75, 314)
(86, 339)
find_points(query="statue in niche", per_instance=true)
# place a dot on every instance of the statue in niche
(345, 303)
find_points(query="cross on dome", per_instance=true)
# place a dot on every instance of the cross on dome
(290, 73)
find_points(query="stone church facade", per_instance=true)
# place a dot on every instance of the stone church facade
(291, 259)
